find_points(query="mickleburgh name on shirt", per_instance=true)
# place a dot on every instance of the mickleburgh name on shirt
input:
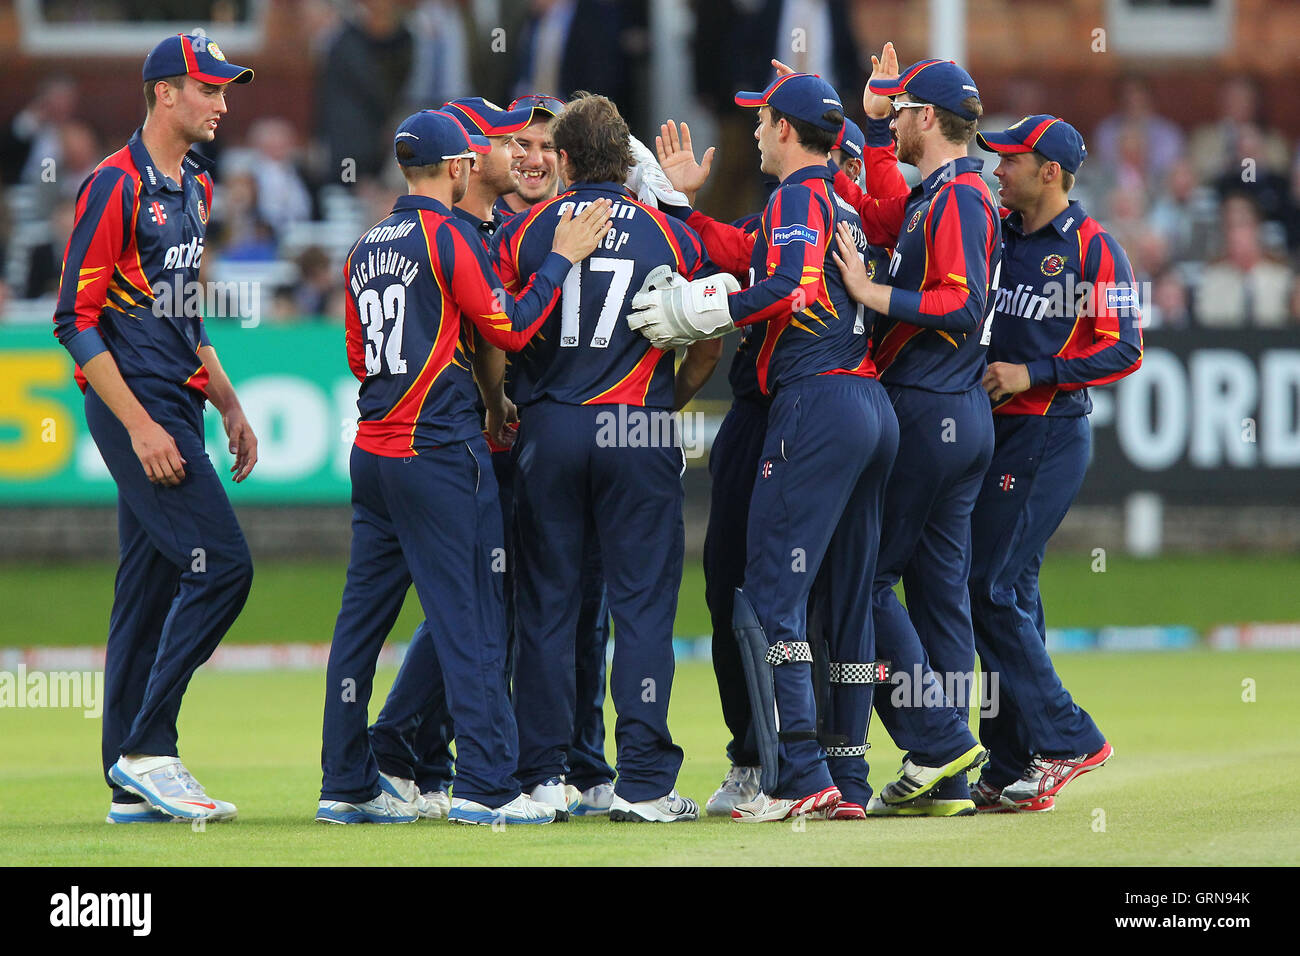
(382, 262)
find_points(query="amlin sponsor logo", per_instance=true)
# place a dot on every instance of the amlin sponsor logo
(74, 909)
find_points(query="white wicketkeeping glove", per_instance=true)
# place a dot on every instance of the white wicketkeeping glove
(671, 312)
(647, 179)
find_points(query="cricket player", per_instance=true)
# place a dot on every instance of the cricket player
(425, 508)
(412, 736)
(147, 367)
(928, 346)
(733, 464)
(826, 453)
(598, 448)
(1066, 318)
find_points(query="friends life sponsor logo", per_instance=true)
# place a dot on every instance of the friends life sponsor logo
(82, 690)
(636, 427)
(209, 300)
(784, 235)
(102, 910)
(1068, 298)
(959, 689)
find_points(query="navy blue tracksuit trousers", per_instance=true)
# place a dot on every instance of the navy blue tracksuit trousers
(947, 439)
(733, 463)
(571, 478)
(432, 519)
(183, 576)
(818, 489)
(1037, 470)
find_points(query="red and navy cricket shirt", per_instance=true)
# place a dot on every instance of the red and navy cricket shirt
(411, 279)
(130, 268)
(585, 354)
(948, 253)
(1068, 309)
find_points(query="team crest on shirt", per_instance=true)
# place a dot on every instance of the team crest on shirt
(203, 212)
(214, 51)
(1053, 264)
(916, 218)
(871, 269)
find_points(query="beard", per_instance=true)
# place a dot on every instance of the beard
(909, 148)
(460, 185)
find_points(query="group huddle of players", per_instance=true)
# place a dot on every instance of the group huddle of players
(889, 423)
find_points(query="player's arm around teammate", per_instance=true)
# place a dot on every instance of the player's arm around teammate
(425, 507)
(1068, 319)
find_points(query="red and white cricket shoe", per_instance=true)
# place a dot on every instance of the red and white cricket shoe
(763, 809)
(1047, 775)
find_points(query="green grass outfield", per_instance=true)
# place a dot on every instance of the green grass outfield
(298, 600)
(1200, 776)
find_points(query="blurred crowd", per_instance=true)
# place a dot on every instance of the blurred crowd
(1210, 215)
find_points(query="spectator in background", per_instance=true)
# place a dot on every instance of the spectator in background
(1246, 174)
(1247, 287)
(317, 282)
(595, 45)
(362, 76)
(734, 43)
(1214, 146)
(1170, 302)
(34, 135)
(80, 152)
(282, 196)
(1185, 213)
(440, 68)
(1157, 140)
(45, 259)
(238, 231)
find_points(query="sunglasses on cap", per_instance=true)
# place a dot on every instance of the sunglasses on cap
(538, 101)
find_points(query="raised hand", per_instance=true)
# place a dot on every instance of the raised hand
(883, 67)
(677, 159)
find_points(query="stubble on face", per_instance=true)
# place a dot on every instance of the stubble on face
(538, 172)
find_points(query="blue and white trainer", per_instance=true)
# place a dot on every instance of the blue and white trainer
(382, 809)
(169, 787)
(522, 809)
(595, 801)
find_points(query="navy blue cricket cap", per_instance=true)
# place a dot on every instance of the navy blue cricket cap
(1046, 134)
(851, 139)
(435, 136)
(941, 82)
(196, 56)
(804, 96)
(486, 118)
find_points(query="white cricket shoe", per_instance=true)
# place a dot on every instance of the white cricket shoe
(433, 804)
(595, 801)
(555, 793)
(740, 785)
(670, 808)
(384, 808)
(765, 809)
(148, 813)
(169, 787)
(522, 809)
